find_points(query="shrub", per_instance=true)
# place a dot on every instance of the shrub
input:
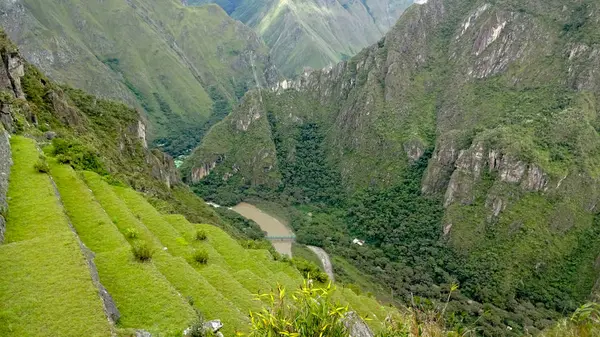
(201, 256)
(310, 312)
(201, 235)
(79, 156)
(142, 251)
(198, 330)
(310, 270)
(41, 166)
(131, 233)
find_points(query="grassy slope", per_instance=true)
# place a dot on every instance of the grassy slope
(29, 222)
(45, 285)
(143, 296)
(154, 295)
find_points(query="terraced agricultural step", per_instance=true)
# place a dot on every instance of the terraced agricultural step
(46, 287)
(33, 208)
(46, 290)
(146, 299)
(206, 298)
(188, 232)
(94, 226)
(231, 288)
(253, 283)
(116, 209)
(235, 255)
(168, 236)
(263, 256)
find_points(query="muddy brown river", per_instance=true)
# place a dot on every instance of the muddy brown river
(274, 228)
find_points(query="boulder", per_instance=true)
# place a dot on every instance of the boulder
(142, 333)
(356, 326)
(50, 135)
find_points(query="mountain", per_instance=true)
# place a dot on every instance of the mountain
(462, 147)
(314, 33)
(99, 238)
(179, 64)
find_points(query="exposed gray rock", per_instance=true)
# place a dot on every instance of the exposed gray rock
(198, 173)
(210, 326)
(6, 118)
(214, 325)
(142, 333)
(16, 69)
(50, 135)
(163, 167)
(5, 164)
(356, 326)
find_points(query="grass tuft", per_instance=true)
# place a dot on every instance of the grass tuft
(201, 256)
(142, 251)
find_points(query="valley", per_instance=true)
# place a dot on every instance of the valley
(316, 33)
(332, 168)
(461, 148)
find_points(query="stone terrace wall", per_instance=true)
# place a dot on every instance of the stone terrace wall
(5, 163)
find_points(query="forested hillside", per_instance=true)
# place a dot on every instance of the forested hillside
(315, 33)
(178, 64)
(463, 147)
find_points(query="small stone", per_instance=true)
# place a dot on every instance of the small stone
(50, 135)
(142, 333)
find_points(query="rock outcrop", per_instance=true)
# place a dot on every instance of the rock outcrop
(356, 326)
(5, 164)
(163, 167)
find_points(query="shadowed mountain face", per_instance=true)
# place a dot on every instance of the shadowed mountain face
(490, 108)
(314, 33)
(172, 61)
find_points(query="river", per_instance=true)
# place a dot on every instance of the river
(276, 230)
(269, 224)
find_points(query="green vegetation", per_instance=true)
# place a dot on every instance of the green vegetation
(164, 62)
(42, 166)
(311, 313)
(201, 256)
(88, 217)
(45, 285)
(300, 251)
(29, 187)
(200, 235)
(46, 289)
(312, 33)
(143, 295)
(454, 159)
(142, 251)
(208, 300)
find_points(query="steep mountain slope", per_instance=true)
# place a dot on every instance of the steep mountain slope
(498, 100)
(171, 60)
(314, 33)
(73, 230)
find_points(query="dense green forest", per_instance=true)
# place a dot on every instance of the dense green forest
(405, 251)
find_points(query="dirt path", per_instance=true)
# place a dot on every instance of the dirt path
(325, 261)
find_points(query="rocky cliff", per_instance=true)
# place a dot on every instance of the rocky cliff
(29, 99)
(503, 94)
(314, 33)
(11, 71)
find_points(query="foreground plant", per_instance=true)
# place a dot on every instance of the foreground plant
(309, 312)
